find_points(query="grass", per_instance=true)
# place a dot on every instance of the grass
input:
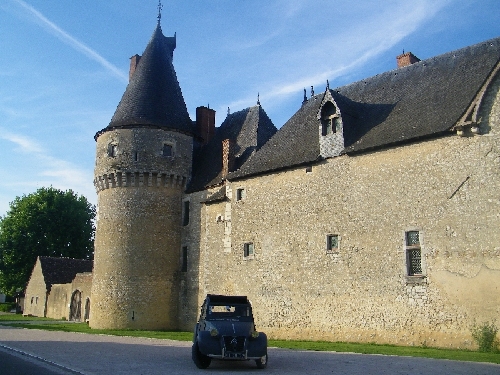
(411, 351)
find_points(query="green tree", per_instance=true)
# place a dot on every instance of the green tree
(49, 222)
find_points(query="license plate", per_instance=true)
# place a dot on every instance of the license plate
(234, 355)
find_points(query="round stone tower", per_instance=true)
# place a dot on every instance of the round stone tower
(143, 162)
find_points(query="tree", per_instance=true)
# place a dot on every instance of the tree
(49, 222)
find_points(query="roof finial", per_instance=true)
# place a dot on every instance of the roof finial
(305, 96)
(327, 85)
(312, 91)
(258, 98)
(228, 111)
(160, 7)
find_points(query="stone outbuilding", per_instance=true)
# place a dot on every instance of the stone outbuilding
(59, 288)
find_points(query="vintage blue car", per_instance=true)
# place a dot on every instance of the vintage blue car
(226, 330)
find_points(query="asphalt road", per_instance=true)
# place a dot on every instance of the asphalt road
(73, 353)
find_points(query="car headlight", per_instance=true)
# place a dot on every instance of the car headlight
(214, 332)
(255, 334)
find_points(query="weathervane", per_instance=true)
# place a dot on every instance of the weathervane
(160, 7)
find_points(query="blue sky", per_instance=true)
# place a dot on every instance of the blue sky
(64, 64)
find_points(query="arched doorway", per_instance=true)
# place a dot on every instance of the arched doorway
(86, 315)
(75, 310)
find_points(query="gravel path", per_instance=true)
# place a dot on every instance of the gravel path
(98, 354)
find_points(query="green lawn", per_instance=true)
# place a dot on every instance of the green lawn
(458, 355)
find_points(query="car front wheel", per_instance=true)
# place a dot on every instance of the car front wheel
(200, 360)
(261, 362)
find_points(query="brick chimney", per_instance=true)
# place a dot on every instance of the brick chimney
(228, 156)
(134, 60)
(406, 59)
(205, 123)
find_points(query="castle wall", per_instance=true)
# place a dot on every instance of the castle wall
(58, 301)
(447, 189)
(138, 239)
(36, 293)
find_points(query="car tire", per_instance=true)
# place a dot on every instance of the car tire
(200, 360)
(261, 362)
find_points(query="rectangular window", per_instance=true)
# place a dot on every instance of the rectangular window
(112, 150)
(136, 156)
(240, 194)
(184, 261)
(167, 150)
(185, 217)
(413, 253)
(248, 250)
(332, 242)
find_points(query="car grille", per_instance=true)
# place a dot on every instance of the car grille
(234, 343)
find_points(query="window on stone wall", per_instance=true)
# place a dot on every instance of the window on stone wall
(240, 194)
(167, 150)
(112, 150)
(184, 260)
(413, 253)
(136, 156)
(332, 243)
(248, 251)
(32, 299)
(36, 300)
(185, 213)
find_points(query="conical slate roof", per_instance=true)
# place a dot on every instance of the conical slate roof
(153, 96)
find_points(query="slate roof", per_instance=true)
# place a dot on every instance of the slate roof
(250, 129)
(63, 270)
(153, 96)
(419, 101)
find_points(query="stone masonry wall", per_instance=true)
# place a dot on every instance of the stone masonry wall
(447, 189)
(36, 293)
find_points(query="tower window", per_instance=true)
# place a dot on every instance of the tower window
(413, 253)
(167, 150)
(112, 150)
(136, 156)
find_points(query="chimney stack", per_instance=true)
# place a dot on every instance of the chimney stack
(134, 60)
(228, 156)
(406, 59)
(205, 123)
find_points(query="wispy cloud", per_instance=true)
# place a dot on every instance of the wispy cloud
(49, 170)
(73, 42)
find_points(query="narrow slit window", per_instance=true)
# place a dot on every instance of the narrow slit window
(240, 194)
(185, 217)
(413, 253)
(112, 150)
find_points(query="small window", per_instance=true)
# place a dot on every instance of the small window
(248, 250)
(332, 243)
(309, 169)
(32, 299)
(413, 253)
(328, 119)
(36, 300)
(185, 216)
(240, 194)
(136, 156)
(167, 150)
(112, 150)
(184, 264)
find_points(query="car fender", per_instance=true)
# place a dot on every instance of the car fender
(257, 347)
(208, 344)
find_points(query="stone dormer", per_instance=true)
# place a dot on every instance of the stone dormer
(331, 130)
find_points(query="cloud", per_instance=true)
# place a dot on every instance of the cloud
(73, 42)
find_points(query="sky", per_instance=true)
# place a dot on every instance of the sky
(64, 64)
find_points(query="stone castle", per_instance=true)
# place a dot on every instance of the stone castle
(372, 214)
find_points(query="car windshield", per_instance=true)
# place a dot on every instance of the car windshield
(242, 313)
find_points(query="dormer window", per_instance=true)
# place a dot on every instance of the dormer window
(329, 119)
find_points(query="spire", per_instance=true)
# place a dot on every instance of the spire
(160, 7)
(153, 97)
(327, 85)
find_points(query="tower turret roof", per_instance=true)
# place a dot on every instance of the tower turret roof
(153, 96)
